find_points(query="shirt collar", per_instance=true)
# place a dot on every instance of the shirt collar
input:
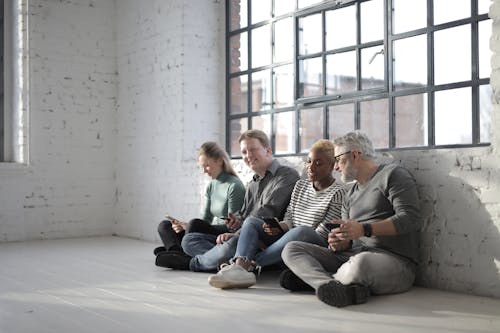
(272, 169)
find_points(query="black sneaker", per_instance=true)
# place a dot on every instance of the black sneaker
(339, 295)
(174, 260)
(292, 282)
(159, 249)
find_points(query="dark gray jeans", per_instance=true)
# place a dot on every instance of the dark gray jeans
(381, 271)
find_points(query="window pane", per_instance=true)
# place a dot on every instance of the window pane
(310, 77)
(261, 46)
(484, 49)
(341, 27)
(340, 120)
(485, 109)
(310, 33)
(307, 3)
(283, 40)
(283, 86)
(283, 6)
(262, 123)
(261, 90)
(484, 6)
(239, 94)
(453, 116)
(341, 73)
(372, 20)
(238, 14)
(261, 10)
(409, 15)
(236, 128)
(372, 67)
(410, 62)
(452, 55)
(411, 120)
(239, 52)
(444, 11)
(374, 116)
(285, 132)
(310, 127)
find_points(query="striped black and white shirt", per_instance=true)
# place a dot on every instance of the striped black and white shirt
(312, 208)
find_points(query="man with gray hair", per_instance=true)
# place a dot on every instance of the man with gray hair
(374, 247)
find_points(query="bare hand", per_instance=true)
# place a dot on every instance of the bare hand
(233, 223)
(349, 230)
(224, 237)
(179, 226)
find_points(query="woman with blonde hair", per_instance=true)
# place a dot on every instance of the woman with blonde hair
(223, 195)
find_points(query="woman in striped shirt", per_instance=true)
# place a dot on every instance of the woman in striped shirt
(314, 203)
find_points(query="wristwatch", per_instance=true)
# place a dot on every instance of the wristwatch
(367, 228)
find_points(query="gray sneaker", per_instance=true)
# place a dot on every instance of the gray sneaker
(232, 276)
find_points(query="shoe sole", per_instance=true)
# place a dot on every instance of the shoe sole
(230, 284)
(341, 296)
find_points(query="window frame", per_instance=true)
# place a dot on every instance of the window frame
(388, 91)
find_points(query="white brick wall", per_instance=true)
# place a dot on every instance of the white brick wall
(171, 97)
(68, 188)
(122, 94)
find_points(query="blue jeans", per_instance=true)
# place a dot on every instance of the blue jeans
(207, 255)
(252, 233)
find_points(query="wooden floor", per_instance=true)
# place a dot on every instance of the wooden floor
(110, 284)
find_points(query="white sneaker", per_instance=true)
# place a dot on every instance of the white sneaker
(232, 276)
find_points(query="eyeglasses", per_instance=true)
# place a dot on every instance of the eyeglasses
(337, 158)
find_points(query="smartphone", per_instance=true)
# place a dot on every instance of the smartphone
(331, 226)
(272, 222)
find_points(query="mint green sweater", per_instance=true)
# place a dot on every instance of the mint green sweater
(223, 195)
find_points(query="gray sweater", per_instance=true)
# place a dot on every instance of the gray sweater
(392, 192)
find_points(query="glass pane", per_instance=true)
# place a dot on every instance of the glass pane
(372, 20)
(445, 12)
(239, 94)
(307, 3)
(261, 10)
(262, 123)
(261, 46)
(485, 109)
(283, 6)
(485, 53)
(261, 90)
(452, 55)
(285, 129)
(409, 15)
(310, 127)
(236, 128)
(310, 34)
(239, 52)
(484, 6)
(372, 67)
(283, 86)
(283, 40)
(341, 27)
(411, 120)
(410, 62)
(238, 14)
(374, 116)
(341, 73)
(310, 77)
(340, 120)
(453, 116)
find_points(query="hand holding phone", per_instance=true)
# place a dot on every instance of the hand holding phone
(273, 223)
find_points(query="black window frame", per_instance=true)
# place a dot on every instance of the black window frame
(359, 96)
